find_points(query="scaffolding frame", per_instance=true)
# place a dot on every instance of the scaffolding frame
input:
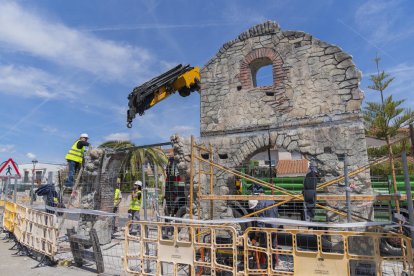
(197, 150)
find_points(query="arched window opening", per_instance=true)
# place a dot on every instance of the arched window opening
(262, 72)
(264, 76)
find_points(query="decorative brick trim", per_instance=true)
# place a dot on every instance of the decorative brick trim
(261, 57)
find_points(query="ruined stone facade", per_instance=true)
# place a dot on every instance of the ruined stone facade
(96, 190)
(313, 105)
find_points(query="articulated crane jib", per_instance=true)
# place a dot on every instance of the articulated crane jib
(184, 79)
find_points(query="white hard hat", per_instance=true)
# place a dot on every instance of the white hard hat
(253, 203)
(138, 183)
(84, 135)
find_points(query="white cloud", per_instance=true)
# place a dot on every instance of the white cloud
(49, 129)
(151, 26)
(233, 12)
(25, 31)
(121, 136)
(32, 82)
(402, 87)
(30, 155)
(6, 148)
(403, 84)
(375, 19)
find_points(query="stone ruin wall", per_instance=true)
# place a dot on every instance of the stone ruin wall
(313, 106)
(96, 190)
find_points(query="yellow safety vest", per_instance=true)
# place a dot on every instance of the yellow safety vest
(116, 197)
(75, 154)
(135, 203)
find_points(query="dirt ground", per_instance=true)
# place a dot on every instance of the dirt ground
(21, 265)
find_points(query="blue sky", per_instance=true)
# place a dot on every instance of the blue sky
(67, 67)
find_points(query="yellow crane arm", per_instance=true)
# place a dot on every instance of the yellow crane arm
(183, 83)
(184, 79)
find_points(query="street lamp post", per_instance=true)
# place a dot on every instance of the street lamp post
(34, 161)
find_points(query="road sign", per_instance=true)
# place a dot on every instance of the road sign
(9, 168)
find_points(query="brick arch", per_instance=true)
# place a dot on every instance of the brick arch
(261, 56)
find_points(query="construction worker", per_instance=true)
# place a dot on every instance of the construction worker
(50, 196)
(75, 157)
(309, 192)
(135, 204)
(270, 213)
(261, 238)
(117, 201)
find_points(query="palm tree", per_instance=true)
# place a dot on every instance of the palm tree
(138, 156)
(384, 119)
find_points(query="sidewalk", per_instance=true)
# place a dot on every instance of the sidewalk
(22, 265)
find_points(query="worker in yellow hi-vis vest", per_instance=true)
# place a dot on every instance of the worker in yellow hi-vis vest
(75, 157)
(135, 204)
(117, 201)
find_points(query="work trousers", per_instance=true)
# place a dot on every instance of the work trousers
(114, 227)
(73, 168)
(135, 215)
(309, 210)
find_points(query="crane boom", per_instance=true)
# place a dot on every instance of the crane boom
(184, 79)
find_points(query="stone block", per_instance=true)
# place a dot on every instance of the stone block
(326, 57)
(338, 78)
(286, 142)
(353, 105)
(348, 83)
(332, 50)
(104, 230)
(352, 73)
(345, 64)
(340, 56)
(279, 140)
(335, 72)
(293, 145)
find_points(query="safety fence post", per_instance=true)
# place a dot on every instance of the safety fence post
(15, 189)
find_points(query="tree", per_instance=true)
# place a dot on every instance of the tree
(138, 156)
(384, 119)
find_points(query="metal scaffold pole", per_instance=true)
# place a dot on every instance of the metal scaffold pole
(8, 186)
(2, 189)
(347, 190)
(408, 194)
(144, 191)
(412, 139)
(156, 190)
(191, 178)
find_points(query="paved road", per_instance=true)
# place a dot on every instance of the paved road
(21, 265)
